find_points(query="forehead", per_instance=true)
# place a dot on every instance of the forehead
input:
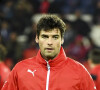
(50, 32)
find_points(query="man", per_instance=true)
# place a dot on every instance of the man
(4, 70)
(94, 63)
(50, 69)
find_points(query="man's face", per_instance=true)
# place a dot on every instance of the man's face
(50, 43)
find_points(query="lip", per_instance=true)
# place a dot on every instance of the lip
(49, 49)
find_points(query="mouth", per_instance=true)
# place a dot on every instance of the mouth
(49, 49)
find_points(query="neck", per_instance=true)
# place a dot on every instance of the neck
(93, 65)
(47, 58)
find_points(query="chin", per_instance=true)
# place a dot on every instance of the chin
(50, 56)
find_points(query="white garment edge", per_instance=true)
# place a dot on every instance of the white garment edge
(48, 75)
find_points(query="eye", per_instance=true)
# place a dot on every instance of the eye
(44, 36)
(55, 37)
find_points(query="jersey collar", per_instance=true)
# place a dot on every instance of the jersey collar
(56, 62)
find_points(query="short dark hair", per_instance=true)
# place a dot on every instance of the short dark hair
(49, 22)
(94, 55)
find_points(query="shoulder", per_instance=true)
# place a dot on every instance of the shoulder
(79, 69)
(4, 68)
(75, 65)
(25, 63)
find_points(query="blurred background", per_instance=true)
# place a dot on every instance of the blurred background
(18, 19)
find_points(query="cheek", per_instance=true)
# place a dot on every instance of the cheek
(58, 43)
(57, 46)
(41, 44)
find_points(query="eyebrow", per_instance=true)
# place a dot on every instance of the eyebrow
(44, 35)
(55, 35)
(48, 35)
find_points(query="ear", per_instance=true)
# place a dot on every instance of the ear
(62, 41)
(37, 39)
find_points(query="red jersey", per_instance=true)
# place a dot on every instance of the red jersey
(4, 71)
(96, 73)
(61, 73)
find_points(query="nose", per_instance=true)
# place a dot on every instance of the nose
(49, 41)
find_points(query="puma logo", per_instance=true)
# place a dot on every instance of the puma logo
(95, 87)
(32, 72)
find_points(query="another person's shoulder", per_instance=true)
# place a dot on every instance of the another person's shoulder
(3, 67)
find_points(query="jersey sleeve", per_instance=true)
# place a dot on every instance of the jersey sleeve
(11, 83)
(86, 80)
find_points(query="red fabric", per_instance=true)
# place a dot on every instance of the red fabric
(65, 74)
(77, 52)
(4, 71)
(30, 52)
(9, 63)
(44, 6)
(96, 71)
(86, 64)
